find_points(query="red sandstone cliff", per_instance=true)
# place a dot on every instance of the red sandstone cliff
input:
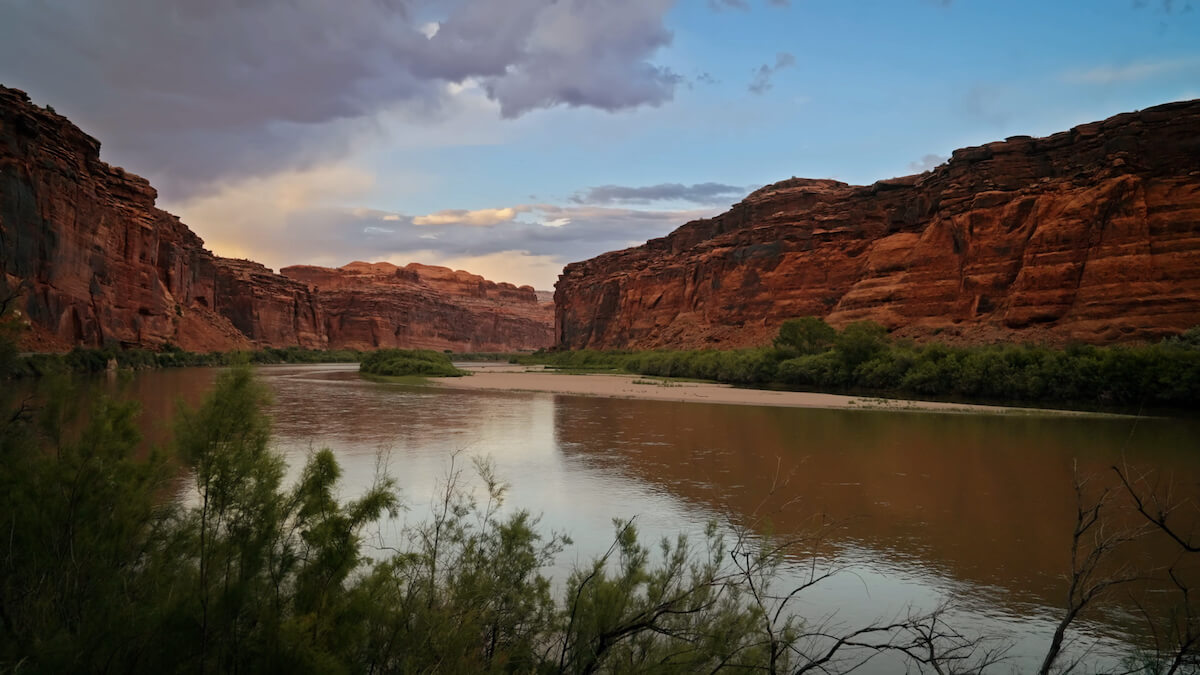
(372, 305)
(100, 265)
(1091, 234)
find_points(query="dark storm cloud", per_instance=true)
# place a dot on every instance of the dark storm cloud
(191, 90)
(700, 193)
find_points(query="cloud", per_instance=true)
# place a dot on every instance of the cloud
(989, 104)
(532, 54)
(300, 217)
(926, 163)
(742, 5)
(477, 218)
(1132, 72)
(700, 193)
(761, 83)
(720, 5)
(1166, 6)
(246, 218)
(194, 91)
(515, 267)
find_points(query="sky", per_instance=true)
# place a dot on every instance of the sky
(510, 137)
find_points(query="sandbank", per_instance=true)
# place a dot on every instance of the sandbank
(504, 377)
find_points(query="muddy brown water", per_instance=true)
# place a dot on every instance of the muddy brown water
(915, 508)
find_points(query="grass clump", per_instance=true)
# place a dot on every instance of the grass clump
(409, 362)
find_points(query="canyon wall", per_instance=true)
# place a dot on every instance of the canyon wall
(1091, 234)
(372, 305)
(98, 265)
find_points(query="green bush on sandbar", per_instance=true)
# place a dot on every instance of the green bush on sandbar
(404, 362)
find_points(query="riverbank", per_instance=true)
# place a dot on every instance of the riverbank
(84, 360)
(506, 377)
(863, 360)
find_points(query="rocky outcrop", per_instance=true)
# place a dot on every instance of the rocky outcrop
(1091, 234)
(99, 265)
(372, 305)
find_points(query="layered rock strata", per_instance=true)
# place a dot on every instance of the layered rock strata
(98, 265)
(372, 305)
(1091, 234)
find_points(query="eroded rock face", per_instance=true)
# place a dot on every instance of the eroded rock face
(1091, 234)
(372, 305)
(101, 266)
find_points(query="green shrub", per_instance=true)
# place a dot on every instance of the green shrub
(806, 335)
(859, 342)
(814, 370)
(886, 370)
(1188, 339)
(925, 377)
(405, 362)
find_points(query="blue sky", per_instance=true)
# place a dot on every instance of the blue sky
(509, 137)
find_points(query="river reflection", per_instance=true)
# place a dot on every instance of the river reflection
(977, 509)
(982, 498)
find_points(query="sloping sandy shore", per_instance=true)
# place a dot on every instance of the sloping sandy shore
(517, 378)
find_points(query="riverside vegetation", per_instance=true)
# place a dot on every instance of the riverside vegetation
(101, 569)
(84, 360)
(861, 358)
(807, 354)
(409, 362)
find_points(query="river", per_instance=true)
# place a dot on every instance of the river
(914, 508)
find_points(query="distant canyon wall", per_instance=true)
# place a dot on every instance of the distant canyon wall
(369, 305)
(1091, 235)
(99, 265)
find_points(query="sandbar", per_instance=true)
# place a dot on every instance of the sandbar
(505, 377)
